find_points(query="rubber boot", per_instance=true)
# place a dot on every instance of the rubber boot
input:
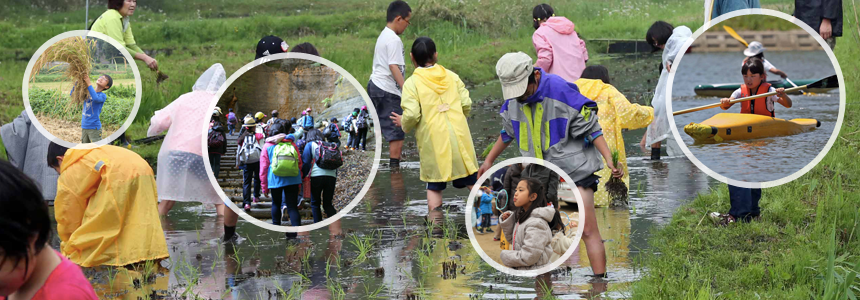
(655, 153)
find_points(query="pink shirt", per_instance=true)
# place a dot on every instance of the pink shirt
(66, 282)
(559, 49)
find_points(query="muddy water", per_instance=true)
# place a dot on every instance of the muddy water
(763, 159)
(405, 259)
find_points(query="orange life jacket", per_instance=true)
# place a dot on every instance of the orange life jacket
(758, 105)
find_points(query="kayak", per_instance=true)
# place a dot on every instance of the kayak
(734, 126)
(726, 89)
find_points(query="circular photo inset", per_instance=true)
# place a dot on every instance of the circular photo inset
(292, 142)
(82, 87)
(524, 217)
(757, 100)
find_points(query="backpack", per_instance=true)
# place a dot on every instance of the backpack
(285, 160)
(214, 138)
(328, 156)
(231, 118)
(308, 121)
(250, 151)
(362, 120)
(332, 131)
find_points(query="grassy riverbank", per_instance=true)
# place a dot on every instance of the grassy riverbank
(787, 254)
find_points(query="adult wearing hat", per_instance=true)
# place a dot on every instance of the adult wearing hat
(535, 100)
(271, 45)
(756, 49)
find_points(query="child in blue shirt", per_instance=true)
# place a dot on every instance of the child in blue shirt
(486, 209)
(91, 125)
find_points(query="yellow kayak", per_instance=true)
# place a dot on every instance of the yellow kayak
(733, 126)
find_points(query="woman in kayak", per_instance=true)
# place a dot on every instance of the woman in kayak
(754, 84)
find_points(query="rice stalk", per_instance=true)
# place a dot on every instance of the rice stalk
(76, 51)
(615, 186)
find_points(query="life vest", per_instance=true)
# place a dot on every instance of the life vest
(758, 105)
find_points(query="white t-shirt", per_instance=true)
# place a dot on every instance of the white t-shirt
(388, 51)
(770, 99)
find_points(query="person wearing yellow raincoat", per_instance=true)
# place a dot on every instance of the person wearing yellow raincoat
(106, 206)
(435, 104)
(614, 113)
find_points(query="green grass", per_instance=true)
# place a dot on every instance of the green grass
(55, 103)
(470, 36)
(805, 246)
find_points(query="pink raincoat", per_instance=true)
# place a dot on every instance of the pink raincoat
(181, 174)
(559, 49)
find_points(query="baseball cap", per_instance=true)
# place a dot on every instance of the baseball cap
(271, 45)
(513, 70)
(754, 49)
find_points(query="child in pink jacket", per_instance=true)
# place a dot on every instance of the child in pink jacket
(558, 47)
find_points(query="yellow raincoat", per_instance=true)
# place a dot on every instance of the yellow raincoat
(106, 208)
(435, 104)
(614, 114)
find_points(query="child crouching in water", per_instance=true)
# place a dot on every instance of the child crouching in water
(29, 268)
(435, 104)
(530, 230)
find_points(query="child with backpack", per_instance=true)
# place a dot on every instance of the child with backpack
(349, 126)
(248, 158)
(231, 121)
(361, 127)
(321, 161)
(333, 132)
(435, 105)
(29, 268)
(280, 174)
(216, 141)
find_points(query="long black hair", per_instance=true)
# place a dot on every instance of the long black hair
(423, 50)
(23, 216)
(534, 186)
(541, 12)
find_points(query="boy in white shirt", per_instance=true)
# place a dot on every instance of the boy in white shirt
(386, 81)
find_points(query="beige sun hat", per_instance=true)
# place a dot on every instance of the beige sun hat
(513, 70)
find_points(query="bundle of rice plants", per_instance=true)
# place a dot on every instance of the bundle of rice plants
(77, 52)
(615, 186)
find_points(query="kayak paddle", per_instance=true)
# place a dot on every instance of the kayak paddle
(794, 85)
(827, 82)
(735, 35)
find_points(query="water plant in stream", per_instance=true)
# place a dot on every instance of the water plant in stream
(363, 243)
(615, 186)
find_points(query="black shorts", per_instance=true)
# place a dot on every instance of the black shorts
(385, 103)
(458, 183)
(590, 182)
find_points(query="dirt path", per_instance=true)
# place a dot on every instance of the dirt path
(69, 131)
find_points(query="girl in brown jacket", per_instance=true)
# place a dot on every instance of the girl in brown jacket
(530, 231)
